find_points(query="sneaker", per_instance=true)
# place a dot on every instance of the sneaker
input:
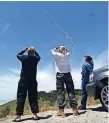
(17, 119)
(35, 117)
(61, 112)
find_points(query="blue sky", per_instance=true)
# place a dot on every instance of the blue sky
(24, 24)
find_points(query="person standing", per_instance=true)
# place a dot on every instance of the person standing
(27, 82)
(63, 76)
(87, 68)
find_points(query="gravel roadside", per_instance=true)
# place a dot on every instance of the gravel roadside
(93, 114)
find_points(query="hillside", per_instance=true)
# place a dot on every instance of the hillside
(47, 101)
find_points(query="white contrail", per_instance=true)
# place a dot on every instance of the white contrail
(61, 29)
(5, 29)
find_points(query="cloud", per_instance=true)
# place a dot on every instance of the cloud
(101, 60)
(8, 86)
(46, 78)
(14, 71)
(5, 29)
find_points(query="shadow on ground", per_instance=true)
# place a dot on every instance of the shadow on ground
(100, 109)
(68, 114)
(32, 118)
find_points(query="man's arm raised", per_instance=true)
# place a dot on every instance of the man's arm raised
(20, 55)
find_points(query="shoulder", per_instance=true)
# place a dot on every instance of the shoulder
(85, 64)
(25, 57)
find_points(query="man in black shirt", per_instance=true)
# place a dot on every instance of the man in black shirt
(27, 82)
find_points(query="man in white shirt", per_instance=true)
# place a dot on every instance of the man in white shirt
(63, 76)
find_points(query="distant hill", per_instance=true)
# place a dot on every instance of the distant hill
(3, 102)
(47, 101)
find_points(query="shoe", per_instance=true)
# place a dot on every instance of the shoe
(17, 119)
(75, 112)
(81, 108)
(61, 113)
(35, 117)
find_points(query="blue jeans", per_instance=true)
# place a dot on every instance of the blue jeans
(83, 92)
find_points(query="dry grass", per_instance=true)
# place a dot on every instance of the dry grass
(44, 105)
(90, 101)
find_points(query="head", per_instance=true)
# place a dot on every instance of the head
(86, 57)
(31, 51)
(62, 49)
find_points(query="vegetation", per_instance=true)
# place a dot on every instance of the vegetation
(47, 101)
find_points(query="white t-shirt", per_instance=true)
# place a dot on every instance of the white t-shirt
(61, 61)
